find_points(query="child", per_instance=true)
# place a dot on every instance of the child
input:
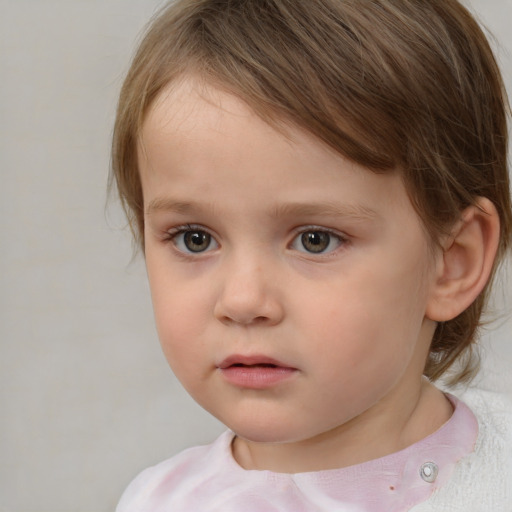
(321, 194)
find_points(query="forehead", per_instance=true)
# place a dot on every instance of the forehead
(189, 107)
(190, 114)
(199, 137)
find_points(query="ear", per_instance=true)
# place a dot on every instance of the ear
(465, 263)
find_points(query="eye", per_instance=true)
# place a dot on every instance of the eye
(317, 241)
(193, 240)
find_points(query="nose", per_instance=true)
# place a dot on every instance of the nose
(249, 295)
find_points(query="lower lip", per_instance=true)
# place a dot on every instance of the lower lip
(257, 377)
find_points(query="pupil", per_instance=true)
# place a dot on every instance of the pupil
(315, 241)
(197, 241)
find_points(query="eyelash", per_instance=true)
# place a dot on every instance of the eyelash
(342, 240)
(173, 234)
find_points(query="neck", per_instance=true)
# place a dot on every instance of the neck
(377, 432)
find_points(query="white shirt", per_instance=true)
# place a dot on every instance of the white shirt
(473, 474)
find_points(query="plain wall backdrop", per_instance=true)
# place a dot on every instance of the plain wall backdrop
(86, 398)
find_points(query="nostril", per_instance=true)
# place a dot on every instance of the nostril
(248, 309)
(245, 321)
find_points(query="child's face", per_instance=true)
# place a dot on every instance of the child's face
(265, 249)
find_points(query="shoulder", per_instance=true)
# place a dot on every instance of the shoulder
(494, 414)
(181, 471)
(482, 481)
(490, 408)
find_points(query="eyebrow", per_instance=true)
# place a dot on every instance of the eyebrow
(353, 211)
(170, 205)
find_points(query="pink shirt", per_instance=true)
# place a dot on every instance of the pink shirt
(207, 478)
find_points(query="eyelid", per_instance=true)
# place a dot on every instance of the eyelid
(342, 238)
(176, 230)
(315, 227)
(171, 235)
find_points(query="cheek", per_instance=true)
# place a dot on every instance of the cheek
(176, 298)
(181, 337)
(397, 292)
(180, 315)
(369, 323)
(344, 338)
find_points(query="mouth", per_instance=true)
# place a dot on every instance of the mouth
(243, 361)
(257, 365)
(255, 372)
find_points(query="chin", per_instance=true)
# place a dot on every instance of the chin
(258, 430)
(262, 436)
(272, 432)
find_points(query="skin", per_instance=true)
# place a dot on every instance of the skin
(351, 320)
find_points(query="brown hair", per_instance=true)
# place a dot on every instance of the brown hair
(387, 83)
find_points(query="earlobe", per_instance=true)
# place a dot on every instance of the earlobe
(466, 262)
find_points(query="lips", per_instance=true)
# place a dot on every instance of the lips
(255, 372)
(254, 360)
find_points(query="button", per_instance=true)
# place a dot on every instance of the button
(429, 472)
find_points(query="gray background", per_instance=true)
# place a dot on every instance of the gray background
(86, 398)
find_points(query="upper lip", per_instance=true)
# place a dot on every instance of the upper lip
(250, 360)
